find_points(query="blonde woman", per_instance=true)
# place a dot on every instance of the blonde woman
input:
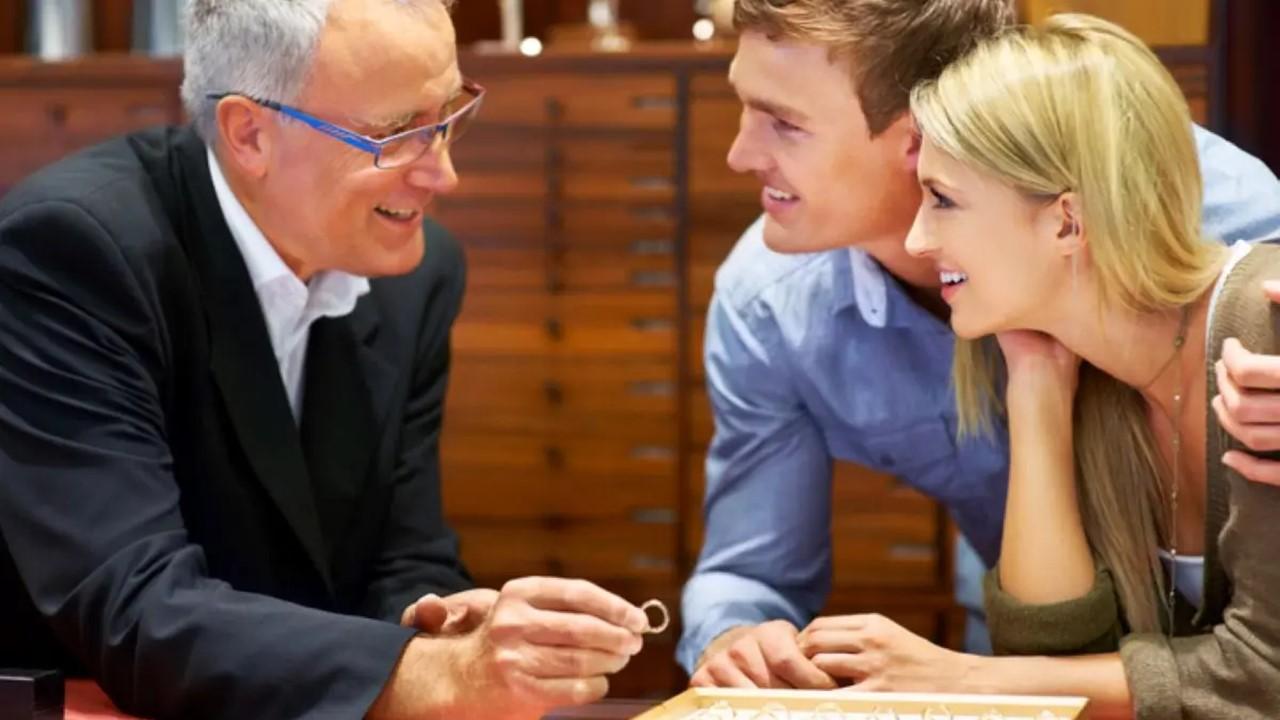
(1062, 208)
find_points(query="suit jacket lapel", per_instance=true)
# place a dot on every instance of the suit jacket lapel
(345, 401)
(242, 359)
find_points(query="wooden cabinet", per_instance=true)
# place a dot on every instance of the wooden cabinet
(594, 208)
(51, 110)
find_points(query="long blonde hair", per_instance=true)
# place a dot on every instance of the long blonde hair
(1079, 104)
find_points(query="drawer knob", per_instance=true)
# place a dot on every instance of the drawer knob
(555, 330)
(555, 281)
(58, 115)
(555, 457)
(554, 392)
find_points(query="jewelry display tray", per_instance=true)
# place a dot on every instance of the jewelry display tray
(716, 704)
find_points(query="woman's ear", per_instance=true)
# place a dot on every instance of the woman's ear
(1063, 220)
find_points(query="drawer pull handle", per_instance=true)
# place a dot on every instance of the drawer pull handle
(146, 111)
(651, 214)
(652, 324)
(653, 516)
(554, 392)
(652, 388)
(911, 551)
(651, 182)
(653, 278)
(653, 102)
(652, 247)
(651, 562)
(652, 452)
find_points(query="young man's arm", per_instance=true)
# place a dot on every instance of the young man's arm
(766, 555)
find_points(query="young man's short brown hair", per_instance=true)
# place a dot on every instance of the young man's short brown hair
(889, 45)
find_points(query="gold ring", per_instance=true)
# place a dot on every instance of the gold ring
(666, 616)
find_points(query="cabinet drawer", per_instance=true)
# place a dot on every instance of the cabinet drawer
(535, 266)
(82, 116)
(21, 159)
(581, 101)
(542, 394)
(713, 125)
(571, 323)
(598, 551)
(885, 549)
(474, 494)
(615, 169)
(649, 454)
(856, 489)
(501, 166)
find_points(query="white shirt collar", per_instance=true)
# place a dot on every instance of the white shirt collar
(331, 293)
(870, 288)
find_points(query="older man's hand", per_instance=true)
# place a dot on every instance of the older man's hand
(545, 643)
(455, 614)
(1248, 404)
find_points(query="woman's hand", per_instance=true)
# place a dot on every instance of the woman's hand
(875, 653)
(1039, 367)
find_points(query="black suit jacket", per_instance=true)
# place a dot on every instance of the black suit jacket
(164, 522)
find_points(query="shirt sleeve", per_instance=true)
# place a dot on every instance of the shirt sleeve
(1234, 670)
(1241, 195)
(767, 512)
(1089, 623)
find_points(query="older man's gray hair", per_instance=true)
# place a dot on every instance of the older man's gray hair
(259, 48)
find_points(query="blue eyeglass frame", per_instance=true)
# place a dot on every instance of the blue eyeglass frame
(364, 142)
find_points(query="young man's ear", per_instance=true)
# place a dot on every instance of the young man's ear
(904, 134)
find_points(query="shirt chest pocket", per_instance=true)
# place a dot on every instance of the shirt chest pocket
(900, 451)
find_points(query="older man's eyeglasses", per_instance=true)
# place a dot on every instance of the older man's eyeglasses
(401, 148)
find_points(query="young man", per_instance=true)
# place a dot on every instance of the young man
(825, 339)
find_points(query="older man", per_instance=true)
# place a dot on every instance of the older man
(223, 354)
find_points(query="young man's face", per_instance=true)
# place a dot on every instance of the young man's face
(825, 181)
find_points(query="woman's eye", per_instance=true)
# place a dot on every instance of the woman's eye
(941, 201)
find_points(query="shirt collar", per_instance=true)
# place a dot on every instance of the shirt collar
(870, 288)
(331, 293)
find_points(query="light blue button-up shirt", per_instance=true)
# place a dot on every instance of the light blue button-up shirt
(818, 356)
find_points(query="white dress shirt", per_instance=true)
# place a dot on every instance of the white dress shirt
(289, 305)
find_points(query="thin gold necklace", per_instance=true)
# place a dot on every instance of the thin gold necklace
(1176, 358)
